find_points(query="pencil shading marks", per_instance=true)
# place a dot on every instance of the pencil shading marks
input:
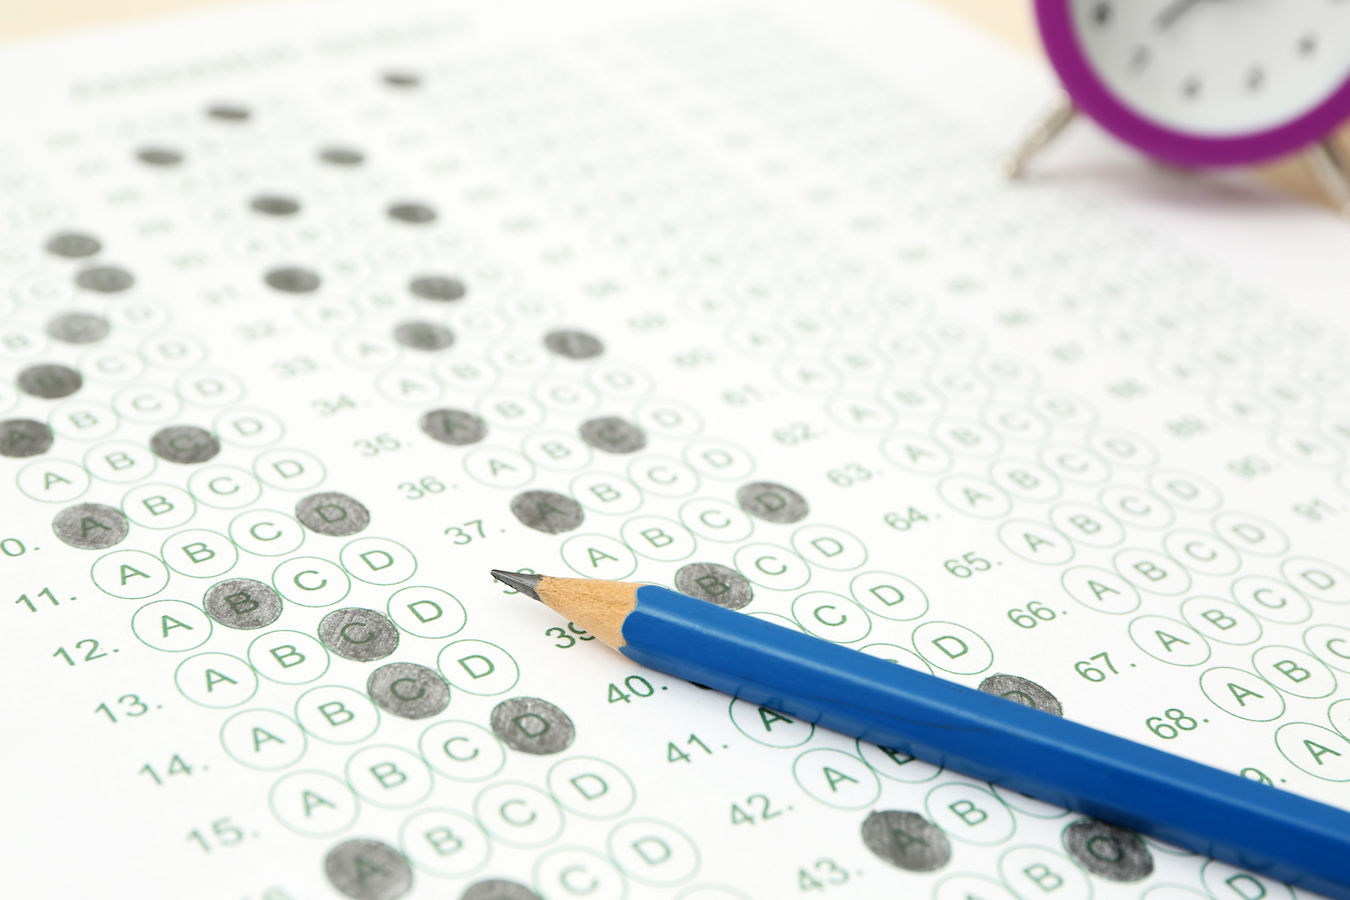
(49, 381)
(292, 280)
(358, 634)
(772, 502)
(441, 288)
(342, 156)
(368, 870)
(73, 245)
(574, 344)
(161, 157)
(531, 725)
(408, 690)
(412, 213)
(547, 511)
(906, 840)
(105, 279)
(401, 78)
(715, 583)
(1114, 853)
(613, 435)
(229, 112)
(421, 335)
(24, 437)
(457, 427)
(274, 205)
(332, 513)
(1024, 691)
(242, 603)
(90, 526)
(184, 444)
(497, 889)
(77, 328)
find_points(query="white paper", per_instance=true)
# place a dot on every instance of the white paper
(1088, 431)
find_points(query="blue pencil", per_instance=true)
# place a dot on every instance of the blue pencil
(1221, 815)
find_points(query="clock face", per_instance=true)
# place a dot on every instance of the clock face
(1216, 68)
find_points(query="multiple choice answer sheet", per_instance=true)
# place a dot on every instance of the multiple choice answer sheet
(314, 313)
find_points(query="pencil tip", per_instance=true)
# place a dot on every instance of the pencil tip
(519, 581)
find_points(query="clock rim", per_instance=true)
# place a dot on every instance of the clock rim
(1091, 95)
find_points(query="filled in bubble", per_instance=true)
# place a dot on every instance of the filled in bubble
(49, 381)
(90, 526)
(186, 444)
(408, 690)
(546, 511)
(358, 634)
(531, 725)
(332, 513)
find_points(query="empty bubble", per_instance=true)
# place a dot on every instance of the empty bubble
(242, 603)
(1024, 691)
(531, 725)
(574, 344)
(78, 328)
(772, 502)
(547, 511)
(73, 245)
(408, 690)
(1108, 851)
(412, 213)
(274, 205)
(332, 513)
(292, 280)
(358, 634)
(159, 156)
(49, 381)
(342, 156)
(437, 287)
(24, 437)
(90, 526)
(613, 434)
(105, 279)
(184, 444)
(228, 112)
(906, 840)
(423, 335)
(368, 870)
(715, 583)
(453, 426)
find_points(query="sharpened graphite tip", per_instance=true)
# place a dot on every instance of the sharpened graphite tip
(519, 581)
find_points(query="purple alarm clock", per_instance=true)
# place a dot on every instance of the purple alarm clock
(1204, 82)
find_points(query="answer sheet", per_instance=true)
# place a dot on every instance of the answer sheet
(314, 313)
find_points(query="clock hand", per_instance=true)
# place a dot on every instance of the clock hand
(1172, 12)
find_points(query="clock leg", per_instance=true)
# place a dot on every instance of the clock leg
(1041, 134)
(1329, 166)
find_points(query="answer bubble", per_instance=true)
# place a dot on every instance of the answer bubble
(1243, 694)
(613, 434)
(1272, 599)
(531, 725)
(831, 617)
(769, 727)
(497, 889)
(574, 344)
(77, 328)
(266, 532)
(289, 469)
(457, 427)
(288, 657)
(90, 526)
(337, 715)
(653, 852)
(906, 840)
(772, 502)
(1221, 620)
(829, 547)
(408, 690)
(889, 596)
(20, 438)
(427, 612)
(462, 751)
(378, 561)
(184, 444)
(171, 625)
(518, 815)
(105, 279)
(836, 779)
(342, 156)
(1317, 578)
(556, 450)
(292, 280)
(1108, 851)
(146, 403)
(313, 804)
(1152, 571)
(440, 288)
(445, 843)
(228, 112)
(216, 680)
(368, 870)
(422, 335)
(598, 556)
(242, 603)
(72, 244)
(274, 205)
(1024, 691)
(952, 648)
(1225, 882)
(714, 583)
(358, 634)
(310, 581)
(963, 887)
(199, 553)
(161, 157)
(546, 511)
(897, 765)
(591, 788)
(49, 381)
(1169, 641)
(130, 574)
(389, 777)
(332, 513)
(411, 213)
(970, 813)
(478, 667)
(263, 739)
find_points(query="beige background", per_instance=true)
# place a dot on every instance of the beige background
(1010, 20)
